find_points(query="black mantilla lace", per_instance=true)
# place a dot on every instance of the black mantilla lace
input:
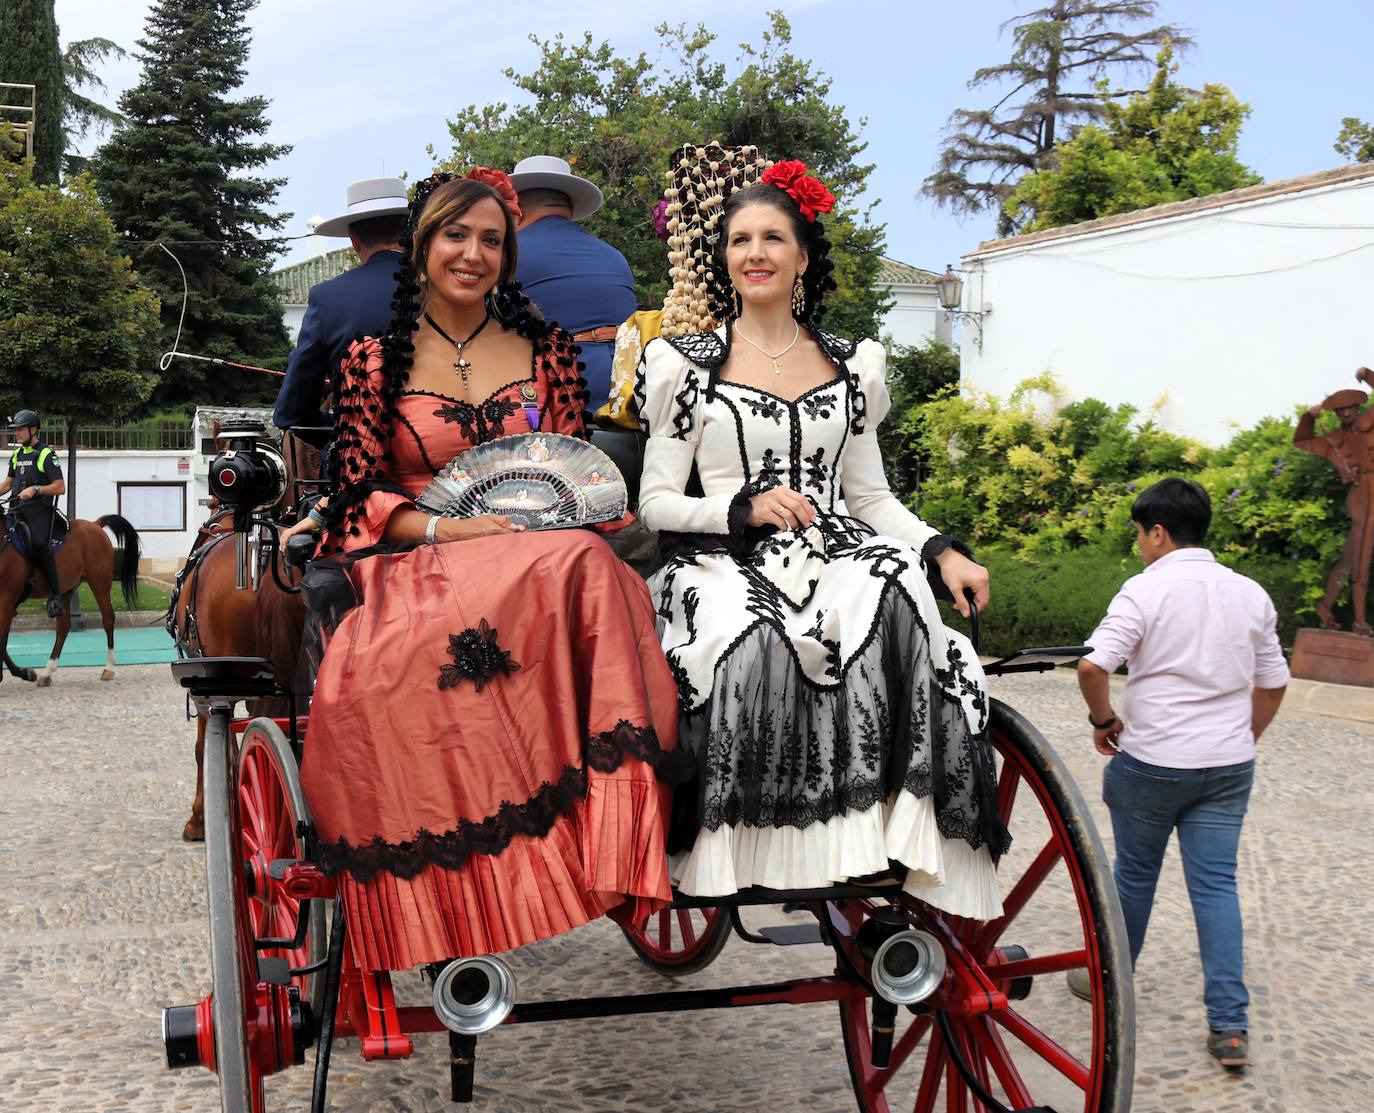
(476, 657)
(534, 817)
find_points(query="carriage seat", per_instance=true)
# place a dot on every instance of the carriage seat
(236, 677)
(625, 447)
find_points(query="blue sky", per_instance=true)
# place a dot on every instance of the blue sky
(359, 93)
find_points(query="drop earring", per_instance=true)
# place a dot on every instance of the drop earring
(798, 298)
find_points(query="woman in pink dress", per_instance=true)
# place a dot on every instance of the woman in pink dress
(493, 723)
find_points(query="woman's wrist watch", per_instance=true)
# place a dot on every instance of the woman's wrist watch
(430, 528)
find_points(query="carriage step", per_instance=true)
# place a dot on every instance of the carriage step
(792, 935)
(274, 971)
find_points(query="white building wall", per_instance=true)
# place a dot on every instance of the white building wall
(1227, 315)
(915, 316)
(141, 483)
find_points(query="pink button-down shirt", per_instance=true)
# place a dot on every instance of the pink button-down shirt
(1196, 637)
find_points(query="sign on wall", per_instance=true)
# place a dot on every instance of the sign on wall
(153, 506)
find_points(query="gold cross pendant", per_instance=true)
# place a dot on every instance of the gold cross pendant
(776, 369)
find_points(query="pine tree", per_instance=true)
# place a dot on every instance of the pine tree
(1063, 50)
(84, 114)
(176, 175)
(29, 55)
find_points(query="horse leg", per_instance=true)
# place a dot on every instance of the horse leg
(101, 590)
(15, 670)
(64, 627)
(8, 601)
(194, 831)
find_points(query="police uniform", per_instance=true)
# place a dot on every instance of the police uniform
(37, 466)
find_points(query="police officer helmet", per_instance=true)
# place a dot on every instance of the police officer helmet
(23, 419)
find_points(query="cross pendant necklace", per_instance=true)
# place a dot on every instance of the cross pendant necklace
(774, 356)
(463, 366)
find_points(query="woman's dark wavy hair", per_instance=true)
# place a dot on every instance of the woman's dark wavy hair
(438, 199)
(818, 278)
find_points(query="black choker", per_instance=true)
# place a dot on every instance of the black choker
(463, 367)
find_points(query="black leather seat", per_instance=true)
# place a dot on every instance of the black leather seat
(625, 447)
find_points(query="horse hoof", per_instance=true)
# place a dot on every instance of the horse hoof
(193, 831)
(43, 681)
(28, 674)
(107, 674)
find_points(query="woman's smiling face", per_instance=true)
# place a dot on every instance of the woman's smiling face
(762, 255)
(464, 258)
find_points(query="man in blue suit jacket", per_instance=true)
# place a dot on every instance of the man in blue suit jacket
(357, 301)
(574, 278)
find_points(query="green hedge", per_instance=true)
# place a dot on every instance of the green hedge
(1059, 600)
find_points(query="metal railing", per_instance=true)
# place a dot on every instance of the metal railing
(146, 436)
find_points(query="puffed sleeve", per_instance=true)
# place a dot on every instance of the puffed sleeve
(566, 405)
(360, 476)
(862, 479)
(669, 389)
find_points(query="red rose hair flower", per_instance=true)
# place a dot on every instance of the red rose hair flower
(499, 181)
(809, 193)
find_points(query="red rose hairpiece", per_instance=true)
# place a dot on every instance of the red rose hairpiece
(809, 193)
(499, 181)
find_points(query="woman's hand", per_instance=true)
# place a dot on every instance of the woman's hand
(781, 507)
(463, 529)
(959, 572)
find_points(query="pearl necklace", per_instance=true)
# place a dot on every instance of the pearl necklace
(771, 355)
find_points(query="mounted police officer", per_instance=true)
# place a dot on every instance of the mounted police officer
(36, 479)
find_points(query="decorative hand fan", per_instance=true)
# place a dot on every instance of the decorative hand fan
(540, 480)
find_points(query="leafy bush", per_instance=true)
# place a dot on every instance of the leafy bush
(1036, 478)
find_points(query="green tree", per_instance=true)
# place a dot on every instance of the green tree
(1356, 140)
(179, 173)
(84, 114)
(1062, 50)
(29, 55)
(1166, 144)
(616, 119)
(78, 330)
(915, 376)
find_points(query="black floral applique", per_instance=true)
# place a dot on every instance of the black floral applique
(462, 414)
(817, 474)
(492, 416)
(769, 408)
(770, 471)
(819, 406)
(476, 657)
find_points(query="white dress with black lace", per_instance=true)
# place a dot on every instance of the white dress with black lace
(837, 725)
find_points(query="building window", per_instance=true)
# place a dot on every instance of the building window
(154, 507)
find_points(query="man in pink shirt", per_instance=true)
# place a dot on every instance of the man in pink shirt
(1207, 675)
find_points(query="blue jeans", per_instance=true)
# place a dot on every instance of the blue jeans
(1207, 806)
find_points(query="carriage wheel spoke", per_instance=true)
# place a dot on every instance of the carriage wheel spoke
(665, 931)
(930, 1077)
(995, 1052)
(1006, 789)
(1045, 1047)
(1037, 965)
(684, 923)
(1020, 894)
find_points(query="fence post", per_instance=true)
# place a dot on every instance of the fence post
(78, 623)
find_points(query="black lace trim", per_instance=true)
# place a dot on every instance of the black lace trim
(837, 348)
(705, 349)
(476, 657)
(533, 818)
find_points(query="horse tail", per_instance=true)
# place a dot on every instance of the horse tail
(127, 572)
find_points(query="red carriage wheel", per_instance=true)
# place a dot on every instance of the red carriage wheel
(271, 805)
(1003, 1008)
(252, 802)
(680, 941)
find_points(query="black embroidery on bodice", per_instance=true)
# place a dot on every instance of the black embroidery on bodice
(770, 470)
(476, 657)
(817, 474)
(765, 407)
(479, 423)
(818, 406)
(533, 818)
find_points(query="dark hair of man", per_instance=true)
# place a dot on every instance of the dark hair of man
(817, 279)
(375, 231)
(1181, 506)
(541, 198)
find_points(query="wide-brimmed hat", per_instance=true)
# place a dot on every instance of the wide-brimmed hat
(550, 172)
(1343, 398)
(366, 199)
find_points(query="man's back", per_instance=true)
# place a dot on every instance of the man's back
(1196, 636)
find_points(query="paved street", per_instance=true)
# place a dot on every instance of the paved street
(102, 922)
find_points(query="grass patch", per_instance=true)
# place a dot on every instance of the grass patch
(151, 597)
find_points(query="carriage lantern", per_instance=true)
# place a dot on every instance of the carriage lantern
(249, 476)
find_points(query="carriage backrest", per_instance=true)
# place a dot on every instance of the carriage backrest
(625, 447)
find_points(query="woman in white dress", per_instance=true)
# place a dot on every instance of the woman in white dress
(836, 723)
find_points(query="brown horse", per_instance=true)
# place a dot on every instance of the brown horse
(86, 555)
(210, 617)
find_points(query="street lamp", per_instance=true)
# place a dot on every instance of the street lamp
(950, 289)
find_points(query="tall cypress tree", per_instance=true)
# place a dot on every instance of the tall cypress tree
(29, 55)
(176, 174)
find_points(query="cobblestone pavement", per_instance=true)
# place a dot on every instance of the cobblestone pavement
(102, 922)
